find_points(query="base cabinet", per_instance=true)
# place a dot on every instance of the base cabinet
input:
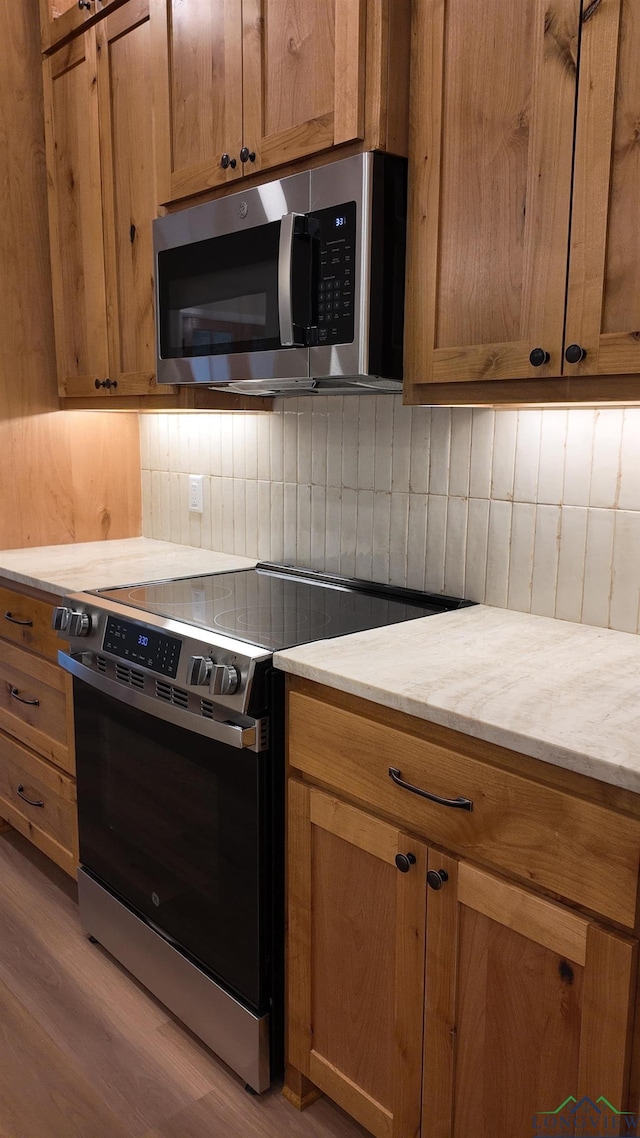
(527, 1003)
(356, 960)
(37, 755)
(431, 995)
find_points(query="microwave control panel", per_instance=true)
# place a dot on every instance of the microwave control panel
(335, 294)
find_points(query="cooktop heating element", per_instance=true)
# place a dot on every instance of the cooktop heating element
(275, 606)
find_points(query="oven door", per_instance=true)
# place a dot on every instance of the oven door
(176, 825)
(233, 287)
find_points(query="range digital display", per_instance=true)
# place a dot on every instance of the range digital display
(142, 646)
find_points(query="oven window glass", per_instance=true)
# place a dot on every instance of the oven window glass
(176, 826)
(220, 296)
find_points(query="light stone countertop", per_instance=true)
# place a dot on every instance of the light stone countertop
(568, 694)
(102, 564)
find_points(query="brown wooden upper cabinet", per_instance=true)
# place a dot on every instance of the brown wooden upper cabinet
(246, 85)
(523, 250)
(102, 198)
(61, 19)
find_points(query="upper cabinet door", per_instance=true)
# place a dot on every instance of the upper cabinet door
(603, 303)
(60, 19)
(491, 130)
(304, 77)
(75, 215)
(198, 58)
(129, 195)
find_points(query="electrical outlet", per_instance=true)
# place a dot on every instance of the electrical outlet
(195, 493)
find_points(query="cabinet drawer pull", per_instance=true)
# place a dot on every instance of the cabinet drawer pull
(24, 798)
(16, 620)
(15, 694)
(460, 803)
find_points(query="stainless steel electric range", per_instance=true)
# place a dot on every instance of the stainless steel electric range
(180, 765)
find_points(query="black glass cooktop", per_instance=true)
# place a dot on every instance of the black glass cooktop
(276, 607)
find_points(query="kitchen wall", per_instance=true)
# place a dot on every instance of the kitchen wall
(535, 510)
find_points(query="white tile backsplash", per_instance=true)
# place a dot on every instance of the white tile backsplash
(533, 510)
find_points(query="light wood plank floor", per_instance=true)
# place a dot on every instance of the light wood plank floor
(85, 1052)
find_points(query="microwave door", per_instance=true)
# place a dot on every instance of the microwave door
(220, 289)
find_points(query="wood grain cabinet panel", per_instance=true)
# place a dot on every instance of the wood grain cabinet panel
(37, 750)
(246, 85)
(356, 958)
(102, 200)
(34, 704)
(539, 833)
(75, 215)
(603, 296)
(39, 801)
(62, 19)
(528, 1004)
(523, 252)
(27, 621)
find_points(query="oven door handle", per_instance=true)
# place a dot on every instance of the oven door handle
(249, 736)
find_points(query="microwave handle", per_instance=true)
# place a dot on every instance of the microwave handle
(285, 272)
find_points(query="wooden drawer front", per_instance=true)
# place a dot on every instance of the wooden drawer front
(52, 826)
(33, 704)
(581, 850)
(35, 631)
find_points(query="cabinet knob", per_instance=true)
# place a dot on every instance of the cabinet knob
(405, 861)
(437, 877)
(575, 354)
(538, 357)
(247, 155)
(226, 161)
(84, 4)
(108, 383)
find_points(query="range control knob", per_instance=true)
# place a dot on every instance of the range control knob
(225, 679)
(61, 618)
(199, 671)
(79, 624)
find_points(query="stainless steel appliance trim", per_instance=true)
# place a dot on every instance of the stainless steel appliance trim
(195, 641)
(249, 736)
(345, 181)
(238, 1036)
(285, 299)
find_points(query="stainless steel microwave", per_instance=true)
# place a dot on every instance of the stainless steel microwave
(293, 286)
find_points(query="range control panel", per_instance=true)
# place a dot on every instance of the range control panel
(335, 297)
(141, 645)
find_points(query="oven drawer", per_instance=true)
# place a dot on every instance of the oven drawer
(27, 621)
(581, 850)
(34, 705)
(39, 801)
